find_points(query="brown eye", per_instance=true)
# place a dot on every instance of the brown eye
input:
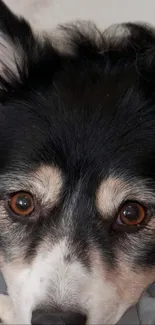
(21, 203)
(131, 214)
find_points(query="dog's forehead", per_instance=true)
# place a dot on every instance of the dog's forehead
(93, 120)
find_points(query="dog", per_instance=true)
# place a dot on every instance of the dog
(77, 176)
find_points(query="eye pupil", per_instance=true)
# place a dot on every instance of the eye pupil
(23, 202)
(131, 212)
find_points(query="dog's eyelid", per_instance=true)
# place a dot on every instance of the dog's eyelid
(45, 184)
(5, 192)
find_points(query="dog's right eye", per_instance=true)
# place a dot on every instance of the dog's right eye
(131, 214)
(21, 203)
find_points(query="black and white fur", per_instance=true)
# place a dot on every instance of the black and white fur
(77, 130)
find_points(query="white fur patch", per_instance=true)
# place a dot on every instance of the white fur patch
(10, 57)
(117, 31)
(48, 276)
(6, 310)
(66, 285)
(69, 285)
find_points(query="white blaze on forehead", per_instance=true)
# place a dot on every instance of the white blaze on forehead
(113, 191)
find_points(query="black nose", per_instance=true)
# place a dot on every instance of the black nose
(42, 317)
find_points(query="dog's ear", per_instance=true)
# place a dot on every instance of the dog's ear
(17, 47)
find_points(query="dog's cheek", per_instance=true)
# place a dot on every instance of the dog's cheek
(131, 280)
(123, 283)
(7, 315)
(12, 238)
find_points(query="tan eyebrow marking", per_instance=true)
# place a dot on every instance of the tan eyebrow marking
(114, 190)
(109, 195)
(47, 180)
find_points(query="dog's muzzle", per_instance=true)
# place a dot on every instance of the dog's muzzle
(42, 317)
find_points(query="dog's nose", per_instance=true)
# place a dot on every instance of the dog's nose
(41, 317)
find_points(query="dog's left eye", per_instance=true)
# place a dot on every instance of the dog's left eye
(131, 214)
(21, 203)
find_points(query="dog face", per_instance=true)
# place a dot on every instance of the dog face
(77, 179)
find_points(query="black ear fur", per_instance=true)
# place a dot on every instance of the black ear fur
(20, 50)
